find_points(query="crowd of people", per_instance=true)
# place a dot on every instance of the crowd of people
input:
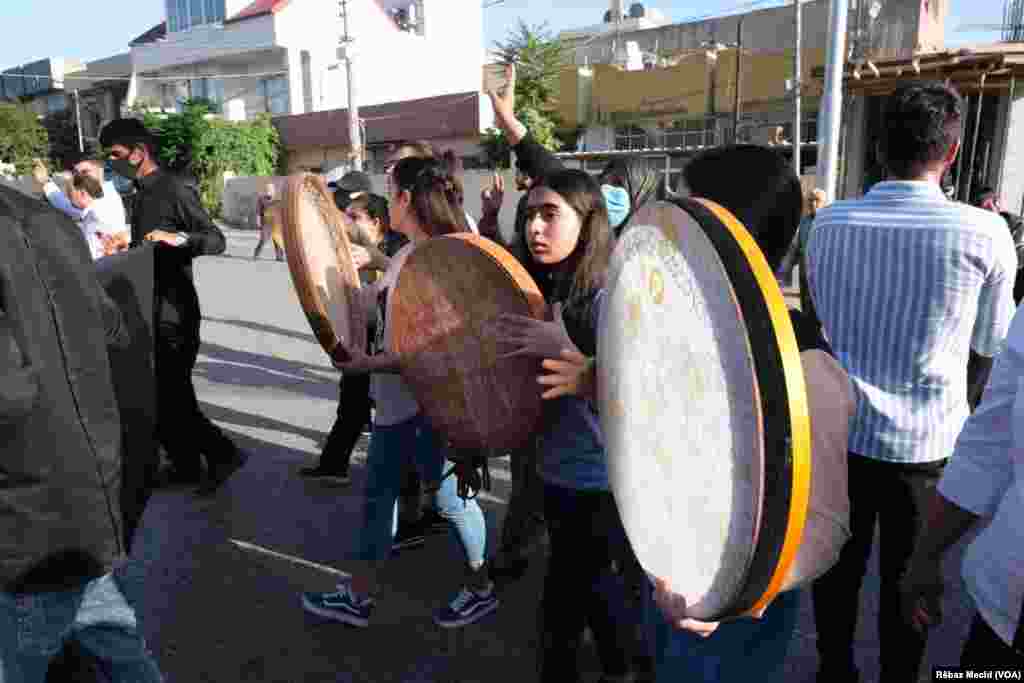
(912, 365)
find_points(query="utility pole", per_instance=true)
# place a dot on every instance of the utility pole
(797, 84)
(736, 100)
(832, 100)
(354, 132)
(78, 122)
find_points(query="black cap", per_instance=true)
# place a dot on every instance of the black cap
(352, 185)
(355, 182)
(126, 132)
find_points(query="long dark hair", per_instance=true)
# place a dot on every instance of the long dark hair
(587, 265)
(436, 197)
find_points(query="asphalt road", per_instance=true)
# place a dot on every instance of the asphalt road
(222, 577)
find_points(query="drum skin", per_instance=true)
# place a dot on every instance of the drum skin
(326, 281)
(703, 405)
(448, 288)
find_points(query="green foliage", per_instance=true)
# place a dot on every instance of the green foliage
(539, 57)
(22, 137)
(209, 147)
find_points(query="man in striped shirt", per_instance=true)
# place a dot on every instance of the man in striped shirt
(915, 294)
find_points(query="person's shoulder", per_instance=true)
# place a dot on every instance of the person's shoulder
(16, 203)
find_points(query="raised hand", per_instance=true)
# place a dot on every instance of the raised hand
(494, 196)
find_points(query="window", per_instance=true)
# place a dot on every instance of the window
(184, 14)
(209, 89)
(275, 94)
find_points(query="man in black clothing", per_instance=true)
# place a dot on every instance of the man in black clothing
(167, 212)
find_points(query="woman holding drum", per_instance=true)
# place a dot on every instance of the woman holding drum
(423, 204)
(746, 643)
(570, 241)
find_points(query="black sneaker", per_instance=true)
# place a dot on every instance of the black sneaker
(408, 536)
(218, 474)
(326, 476)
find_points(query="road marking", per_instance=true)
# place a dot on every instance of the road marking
(291, 558)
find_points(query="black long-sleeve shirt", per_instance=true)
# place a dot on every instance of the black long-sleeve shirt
(165, 202)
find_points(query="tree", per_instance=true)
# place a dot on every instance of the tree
(539, 57)
(204, 148)
(22, 137)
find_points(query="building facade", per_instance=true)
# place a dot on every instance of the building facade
(282, 57)
(417, 75)
(665, 91)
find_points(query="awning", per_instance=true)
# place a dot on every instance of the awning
(988, 68)
(445, 116)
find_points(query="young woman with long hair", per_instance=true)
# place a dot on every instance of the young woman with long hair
(569, 240)
(423, 204)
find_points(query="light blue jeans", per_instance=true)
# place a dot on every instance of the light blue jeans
(743, 649)
(390, 447)
(34, 627)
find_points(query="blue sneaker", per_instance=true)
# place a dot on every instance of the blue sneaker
(341, 605)
(467, 607)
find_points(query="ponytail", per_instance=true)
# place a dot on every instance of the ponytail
(436, 194)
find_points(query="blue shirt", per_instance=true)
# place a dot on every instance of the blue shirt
(571, 444)
(905, 283)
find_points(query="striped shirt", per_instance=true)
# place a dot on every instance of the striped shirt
(905, 282)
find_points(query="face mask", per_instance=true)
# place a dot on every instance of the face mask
(124, 168)
(617, 201)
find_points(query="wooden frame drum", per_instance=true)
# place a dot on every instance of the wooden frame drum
(704, 408)
(447, 289)
(326, 281)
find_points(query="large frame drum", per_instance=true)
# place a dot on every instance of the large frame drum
(326, 281)
(447, 290)
(704, 408)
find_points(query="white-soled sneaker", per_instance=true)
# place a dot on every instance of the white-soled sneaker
(341, 605)
(467, 607)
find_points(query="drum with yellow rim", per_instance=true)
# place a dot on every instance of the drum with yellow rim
(704, 408)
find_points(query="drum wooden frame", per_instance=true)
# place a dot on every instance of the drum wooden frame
(317, 246)
(759, 387)
(447, 290)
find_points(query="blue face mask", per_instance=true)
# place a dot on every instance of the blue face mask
(617, 201)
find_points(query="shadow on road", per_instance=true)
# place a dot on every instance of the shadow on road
(241, 419)
(242, 368)
(262, 327)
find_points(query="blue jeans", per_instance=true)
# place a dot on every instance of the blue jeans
(744, 649)
(35, 626)
(390, 447)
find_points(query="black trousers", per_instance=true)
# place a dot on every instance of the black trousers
(580, 588)
(353, 417)
(893, 495)
(182, 429)
(984, 648)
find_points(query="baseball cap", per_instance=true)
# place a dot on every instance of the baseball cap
(352, 185)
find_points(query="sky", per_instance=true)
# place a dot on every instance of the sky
(31, 30)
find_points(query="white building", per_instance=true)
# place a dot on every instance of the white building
(282, 56)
